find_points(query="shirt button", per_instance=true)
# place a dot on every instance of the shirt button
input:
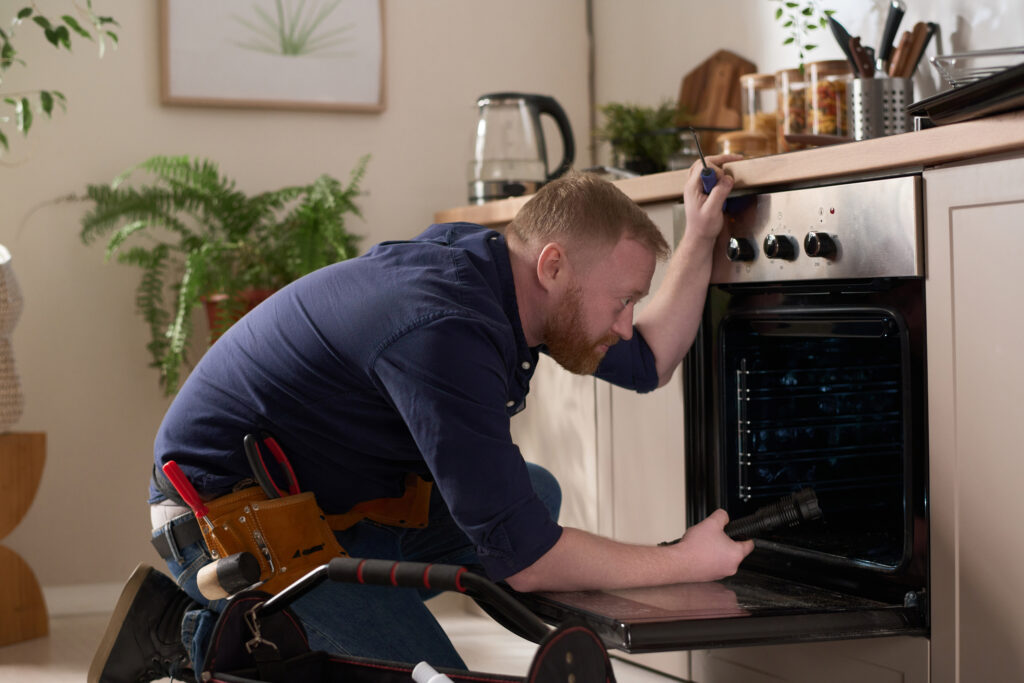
(526, 365)
(510, 404)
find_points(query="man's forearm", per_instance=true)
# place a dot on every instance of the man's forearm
(583, 561)
(669, 322)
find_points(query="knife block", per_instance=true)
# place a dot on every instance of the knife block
(22, 608)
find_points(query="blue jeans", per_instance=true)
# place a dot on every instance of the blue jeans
(366, 621)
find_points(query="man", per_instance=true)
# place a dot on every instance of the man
(410, 360)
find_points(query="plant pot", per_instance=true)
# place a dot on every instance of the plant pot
(220, 317)
(642, 166)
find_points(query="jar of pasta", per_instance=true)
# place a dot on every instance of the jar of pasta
(790, 89)
(826, 108)
(759, 104)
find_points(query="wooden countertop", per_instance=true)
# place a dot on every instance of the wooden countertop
(940, 145)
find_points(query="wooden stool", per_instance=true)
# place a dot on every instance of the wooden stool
(22, 609)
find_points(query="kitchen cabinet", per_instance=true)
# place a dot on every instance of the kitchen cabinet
(975, 369)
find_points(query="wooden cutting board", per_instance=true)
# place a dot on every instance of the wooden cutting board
(710, 94)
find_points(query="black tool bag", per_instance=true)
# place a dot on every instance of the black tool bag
(257, 639)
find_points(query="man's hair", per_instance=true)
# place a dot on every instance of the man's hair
(583, 210)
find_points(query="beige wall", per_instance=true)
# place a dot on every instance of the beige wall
(81, 349)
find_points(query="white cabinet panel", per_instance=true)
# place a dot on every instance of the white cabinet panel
(646, 446)
(976, 406)
(557, 430)
(884, 660)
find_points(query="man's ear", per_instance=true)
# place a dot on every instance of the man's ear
(553, 269)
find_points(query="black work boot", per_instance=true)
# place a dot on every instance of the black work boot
(143, 639)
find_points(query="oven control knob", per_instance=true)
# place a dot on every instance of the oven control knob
(779, 246)
(819, 245)
(740, 249)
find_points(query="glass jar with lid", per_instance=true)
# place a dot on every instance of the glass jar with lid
(826, 106)
(748, 143)
(791, 114)
(759, 106)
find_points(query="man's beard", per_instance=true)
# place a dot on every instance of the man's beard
(566, 339)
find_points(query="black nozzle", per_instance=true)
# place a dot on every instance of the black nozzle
(791, 510)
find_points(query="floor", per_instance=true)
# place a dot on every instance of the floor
(64, 655)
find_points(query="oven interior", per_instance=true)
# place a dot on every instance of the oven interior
(817, 400)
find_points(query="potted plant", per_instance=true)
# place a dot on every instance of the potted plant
(27, 104)
(642, 138)
(198, 238)
(800, 21)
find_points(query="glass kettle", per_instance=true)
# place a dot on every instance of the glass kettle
(509, 154)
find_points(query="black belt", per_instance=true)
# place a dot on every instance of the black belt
(182, 531)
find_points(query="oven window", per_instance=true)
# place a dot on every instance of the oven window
(819, 401)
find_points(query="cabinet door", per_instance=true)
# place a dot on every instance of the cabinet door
(557, 431)
(647, 499)
(881, 660)
(975, 409)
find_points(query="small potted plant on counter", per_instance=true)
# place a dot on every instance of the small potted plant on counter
(642, 138)
(199, 239)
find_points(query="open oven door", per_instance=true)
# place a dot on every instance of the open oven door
(860, 572)
(747, 609)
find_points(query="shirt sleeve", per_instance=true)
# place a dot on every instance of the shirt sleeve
(630, 365)
(449, 379)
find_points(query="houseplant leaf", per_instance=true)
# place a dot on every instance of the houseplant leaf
(196, 236)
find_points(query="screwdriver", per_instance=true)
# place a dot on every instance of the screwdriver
(707, 177)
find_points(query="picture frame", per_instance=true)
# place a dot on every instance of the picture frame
(274, 54)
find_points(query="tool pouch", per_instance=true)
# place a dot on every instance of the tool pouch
(289, 536)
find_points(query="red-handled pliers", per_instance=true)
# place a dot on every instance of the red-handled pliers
(259, 466)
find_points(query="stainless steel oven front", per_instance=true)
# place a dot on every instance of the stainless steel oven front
(808, 371)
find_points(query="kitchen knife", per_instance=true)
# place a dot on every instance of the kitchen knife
(862, 58)
(932, 28)
(897, 8)
(843, 38)
(899, 55)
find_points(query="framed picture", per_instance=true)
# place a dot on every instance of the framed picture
(278, 54)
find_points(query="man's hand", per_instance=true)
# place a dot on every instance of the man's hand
(583, 561)
(707, 552)
(669, 321)
(704, 211)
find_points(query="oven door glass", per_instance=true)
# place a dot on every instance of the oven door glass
(747, 609)
(819, 399)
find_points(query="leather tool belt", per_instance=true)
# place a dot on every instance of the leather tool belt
(289, 535)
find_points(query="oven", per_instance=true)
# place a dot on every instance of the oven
(808, 371)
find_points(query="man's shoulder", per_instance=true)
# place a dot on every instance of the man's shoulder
(460, 234)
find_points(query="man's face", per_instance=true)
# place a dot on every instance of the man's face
(597, 309)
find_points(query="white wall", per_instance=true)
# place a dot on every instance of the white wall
(80, 348)
(644, 49)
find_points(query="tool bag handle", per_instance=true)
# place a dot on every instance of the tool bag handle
(440, 577)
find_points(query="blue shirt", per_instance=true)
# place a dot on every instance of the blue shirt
(410, 358)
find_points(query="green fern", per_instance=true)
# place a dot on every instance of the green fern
(194, 235)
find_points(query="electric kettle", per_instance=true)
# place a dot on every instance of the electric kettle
(509, 155)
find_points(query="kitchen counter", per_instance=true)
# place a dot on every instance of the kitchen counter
(944, 144)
